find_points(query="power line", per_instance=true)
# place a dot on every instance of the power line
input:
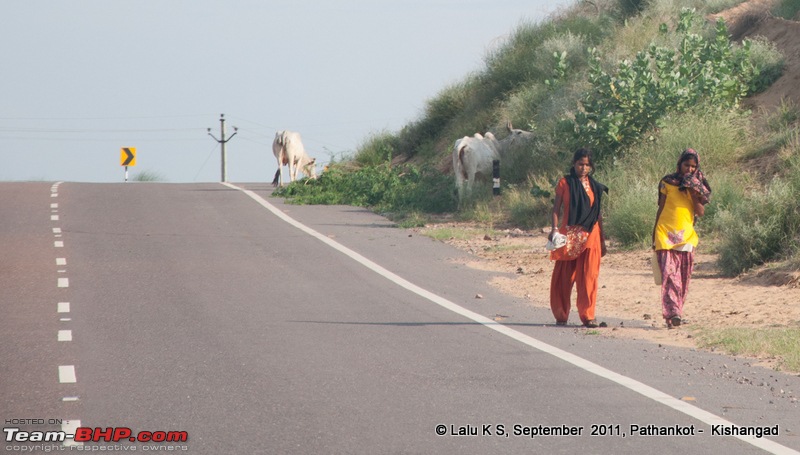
(93, 131)
(77, 139)
(107, 118)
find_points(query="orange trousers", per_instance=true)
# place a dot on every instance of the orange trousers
(582, 272)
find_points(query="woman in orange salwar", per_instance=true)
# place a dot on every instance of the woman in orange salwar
(576, 214)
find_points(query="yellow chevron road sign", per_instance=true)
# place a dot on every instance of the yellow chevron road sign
(127, 156)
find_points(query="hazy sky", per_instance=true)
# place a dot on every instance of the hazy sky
(81, 79)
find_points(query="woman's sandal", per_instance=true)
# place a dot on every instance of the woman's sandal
(676, 321)
(590, 324)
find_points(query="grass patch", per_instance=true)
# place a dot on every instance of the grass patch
(410, 220)
(633, 215)
(148, 176)
(782, 344)
(526, 210)
(764, 226)
(787, 9)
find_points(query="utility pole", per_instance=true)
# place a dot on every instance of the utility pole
(222, 142)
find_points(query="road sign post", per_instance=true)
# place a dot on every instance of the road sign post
(127, 157)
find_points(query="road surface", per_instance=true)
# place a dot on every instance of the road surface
(219, 315)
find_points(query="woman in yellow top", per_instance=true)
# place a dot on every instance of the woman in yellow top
(682, 196)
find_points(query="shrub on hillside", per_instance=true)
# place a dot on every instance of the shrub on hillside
(622, 105)
(378, 148)
(383, 187)
(762, 227)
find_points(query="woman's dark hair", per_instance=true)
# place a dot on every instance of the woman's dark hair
(580, 154)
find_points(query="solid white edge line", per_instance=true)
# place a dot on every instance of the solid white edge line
(66, 374)
(629, 383)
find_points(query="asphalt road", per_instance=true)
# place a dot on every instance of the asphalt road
(200, 308)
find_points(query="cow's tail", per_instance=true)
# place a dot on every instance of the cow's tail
(461, 167)
(277, 178)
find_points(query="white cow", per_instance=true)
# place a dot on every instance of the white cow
(515, 137)
(472, 159)
(473, 156)
(289, 151)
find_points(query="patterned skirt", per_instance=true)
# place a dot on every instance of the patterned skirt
(676, 272)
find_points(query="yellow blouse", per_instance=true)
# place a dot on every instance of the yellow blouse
(675, 226)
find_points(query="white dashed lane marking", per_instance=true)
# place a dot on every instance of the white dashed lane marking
(66, 374)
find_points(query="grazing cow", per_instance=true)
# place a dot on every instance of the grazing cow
(473, 156)
(289, 151)
(515, 137)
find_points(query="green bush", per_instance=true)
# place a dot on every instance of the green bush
(383, 187)
(728, 190)
(764, 226)
(764, 60)
(379, 148)
(623, 105)
(630, 214)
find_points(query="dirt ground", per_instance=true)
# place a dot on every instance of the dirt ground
(758, 299)
(627, 290)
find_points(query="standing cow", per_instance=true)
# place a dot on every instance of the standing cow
(289, 151)
(473, 156)
(472, 159)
